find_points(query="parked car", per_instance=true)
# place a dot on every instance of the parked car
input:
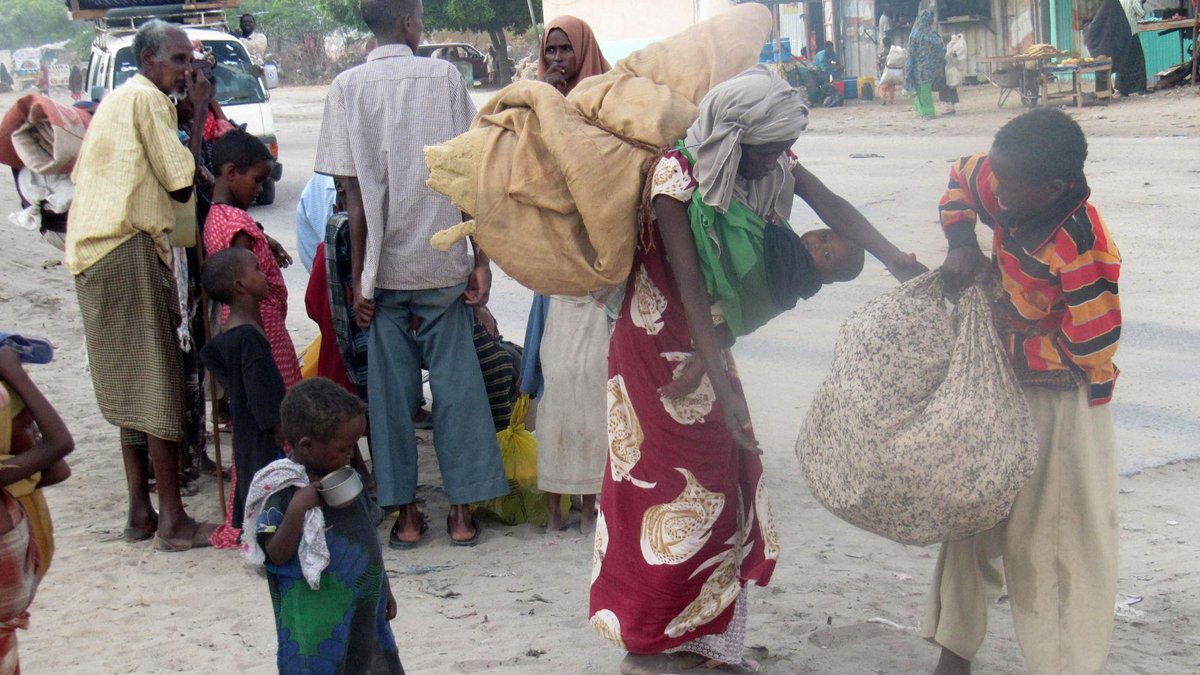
(459, 53)
(242, 95)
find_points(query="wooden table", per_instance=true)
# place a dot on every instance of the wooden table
(1102, 81)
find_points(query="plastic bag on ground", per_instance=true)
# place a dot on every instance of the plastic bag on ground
(524, 503)
(921, 432)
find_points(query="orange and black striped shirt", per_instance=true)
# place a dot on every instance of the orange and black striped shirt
(1059, 271)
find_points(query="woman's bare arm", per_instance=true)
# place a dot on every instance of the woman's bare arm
(680, 248)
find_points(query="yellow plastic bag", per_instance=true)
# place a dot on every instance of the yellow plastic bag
(309, 358)
(524, 503)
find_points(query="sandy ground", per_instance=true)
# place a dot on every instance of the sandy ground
(842, 601)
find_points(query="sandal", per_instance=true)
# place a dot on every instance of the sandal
(133, 535)
(199, 539)
(397, 544)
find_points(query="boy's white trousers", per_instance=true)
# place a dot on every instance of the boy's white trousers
(1058, 549)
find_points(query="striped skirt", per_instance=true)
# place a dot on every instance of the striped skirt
(130, 312)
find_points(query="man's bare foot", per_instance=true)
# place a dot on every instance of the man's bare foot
(461, 524)
(952, 664)
(184, 535)
(410, 525)
(687, 381)
(140, 526)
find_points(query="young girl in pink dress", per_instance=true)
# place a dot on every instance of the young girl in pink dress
(242, 164)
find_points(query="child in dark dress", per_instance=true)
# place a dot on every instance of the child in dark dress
(324, 565)
(241, 359)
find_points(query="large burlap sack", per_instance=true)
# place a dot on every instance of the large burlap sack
(555, 183)
(920, 433)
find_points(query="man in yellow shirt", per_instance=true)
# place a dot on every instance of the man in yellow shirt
(130, 168)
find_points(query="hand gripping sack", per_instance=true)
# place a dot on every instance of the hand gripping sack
(920, 433)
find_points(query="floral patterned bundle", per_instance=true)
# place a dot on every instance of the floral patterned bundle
(921, 432)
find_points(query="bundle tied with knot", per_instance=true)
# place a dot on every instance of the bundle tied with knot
(555, 183)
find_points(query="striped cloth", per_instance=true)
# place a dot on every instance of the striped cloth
(18, 582)
(352, 340)
(1059, 272)
(130, 160)
(498, 362)
(130, 312)
(379, 117)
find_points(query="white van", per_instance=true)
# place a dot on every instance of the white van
(243, 97)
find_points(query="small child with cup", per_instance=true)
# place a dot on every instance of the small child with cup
(324, 564)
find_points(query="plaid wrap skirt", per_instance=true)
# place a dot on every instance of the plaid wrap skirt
(130, 312)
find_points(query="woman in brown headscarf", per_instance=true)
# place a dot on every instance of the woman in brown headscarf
(567, 339)
(569, 54)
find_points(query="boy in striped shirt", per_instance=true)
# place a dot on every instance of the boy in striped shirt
(1060, 317)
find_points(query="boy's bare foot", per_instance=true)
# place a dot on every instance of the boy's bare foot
(952, 664)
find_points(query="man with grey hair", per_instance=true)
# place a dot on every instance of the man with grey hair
(414, 301)
(130, 169)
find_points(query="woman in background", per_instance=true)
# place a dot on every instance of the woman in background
(925, 69)
(573, 349)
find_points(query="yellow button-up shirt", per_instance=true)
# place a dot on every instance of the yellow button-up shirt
(130, 161)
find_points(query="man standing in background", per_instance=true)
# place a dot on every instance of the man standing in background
(416, 302)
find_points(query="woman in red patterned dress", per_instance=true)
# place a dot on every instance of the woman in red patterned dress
(684, 520)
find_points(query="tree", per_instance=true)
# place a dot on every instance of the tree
(283, 20)
(484, 16)
(344, 13)
(29, 23)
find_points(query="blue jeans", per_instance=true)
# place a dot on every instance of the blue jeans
(464, 436)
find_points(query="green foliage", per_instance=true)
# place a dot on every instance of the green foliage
(29, 23)
(479, 15)
(458, 15)
(343, 13)
(290, 20)
(81, 44)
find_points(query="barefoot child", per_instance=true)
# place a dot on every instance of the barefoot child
(242, 164)
(1060, 318)
(241, 359)
(324, 565)
(34, 443)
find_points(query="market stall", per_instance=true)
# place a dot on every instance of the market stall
(1043, 73)
(1020, 73)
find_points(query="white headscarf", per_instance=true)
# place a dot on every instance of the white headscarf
(754, 108)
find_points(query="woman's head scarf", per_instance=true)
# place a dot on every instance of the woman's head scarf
(587, 51)
(754, 108)
(926, 54)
